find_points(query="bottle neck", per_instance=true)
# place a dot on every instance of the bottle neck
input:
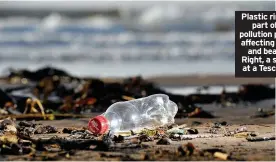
(114, 121)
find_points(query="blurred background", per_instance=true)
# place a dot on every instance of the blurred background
(121, 39)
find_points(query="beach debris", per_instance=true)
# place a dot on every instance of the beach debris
(45, 129)
(52, 147)
(118, 139)
(61, 92)
(256, 92)
(178, 131)
(164, 141)
(193, 136)
(106, 141)
(186, 149)
(192, 131)
(3, 112)
(216, 153)
(8, 138)
(81, 134)
(216, 128)
(176, 127)
(245, 134)
(72, 130)
(149, 132)
(241, 129)
(223, 123)
(183, 131)
(66, 143)
(241, 132)
(261, 113)
(31, 107)
(221, 156)
(146, 138)
(27, 124)
(7, 125)
(12, 110)
(25, 142)
(9, 141)
(54, 94)
(63, 143)
(257, 139)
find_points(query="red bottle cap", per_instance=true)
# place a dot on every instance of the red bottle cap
(98, 125)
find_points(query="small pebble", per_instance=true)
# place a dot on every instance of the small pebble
(164, 141)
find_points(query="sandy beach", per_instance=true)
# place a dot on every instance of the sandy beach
(238, 148)
(235, 117)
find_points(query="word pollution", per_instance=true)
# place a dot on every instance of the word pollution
(257, 34)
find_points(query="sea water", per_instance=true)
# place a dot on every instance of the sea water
(146, 39)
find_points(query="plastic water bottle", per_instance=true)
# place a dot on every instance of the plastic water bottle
(148, 112)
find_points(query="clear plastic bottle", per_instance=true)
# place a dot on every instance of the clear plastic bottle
(148, 112)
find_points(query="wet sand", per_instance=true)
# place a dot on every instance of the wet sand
(238, 148)
(235, 117)
(191, 80)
